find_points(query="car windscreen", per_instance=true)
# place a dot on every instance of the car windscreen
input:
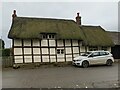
(86, 54)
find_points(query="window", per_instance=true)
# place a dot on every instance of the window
(44, 36)
(104, 48)
(60, 51)
(96, 54)
(93, 48)
(104, 53)
(48, 36)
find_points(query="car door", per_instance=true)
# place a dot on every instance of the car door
(104, 56)
(95, 58)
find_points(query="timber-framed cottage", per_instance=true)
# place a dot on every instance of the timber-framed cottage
(54, 40)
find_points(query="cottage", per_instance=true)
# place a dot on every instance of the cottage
(54, 40)
(115, 50)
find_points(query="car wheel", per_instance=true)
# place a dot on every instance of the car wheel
(85, 64)
(109, 62)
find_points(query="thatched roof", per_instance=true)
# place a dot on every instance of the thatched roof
(115, 36)
(31, 28)
(96, 36)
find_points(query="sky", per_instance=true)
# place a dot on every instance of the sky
(104, 14)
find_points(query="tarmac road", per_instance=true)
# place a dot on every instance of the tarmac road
(61, 77)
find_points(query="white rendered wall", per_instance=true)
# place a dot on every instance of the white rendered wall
(52, 43)
(109, 49)
(45, 50)
(18, 59)
(27, 42)
(45, 58)
(18, 51)
(27, 51)
(44, 43)
(17, 42)
(53, 58)
(75, 42)
(52, 51)
(36, 42)
(68, 57)
(68, 50)
(36, 50)
(60, 43)
(82, 49)
(37, 58)
(28, 59)
(67, 43)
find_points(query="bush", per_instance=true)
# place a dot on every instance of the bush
(5, 52)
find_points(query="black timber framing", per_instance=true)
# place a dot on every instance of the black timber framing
(44, 54)
(72, 48)
(32, 51)
(13, 51)
(64, 49)
(40, 51)
(23, 50)
(42, 46)
(56, 49)
(79, 46)
(48, 49)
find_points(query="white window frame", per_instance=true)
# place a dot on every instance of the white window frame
(61, 51)
(48, 36)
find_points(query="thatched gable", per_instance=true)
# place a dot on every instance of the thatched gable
(115, 36)
(31, 28)
(96, 36)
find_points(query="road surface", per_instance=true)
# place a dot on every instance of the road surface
(61, 77)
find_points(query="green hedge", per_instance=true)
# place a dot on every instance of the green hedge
(5, 52)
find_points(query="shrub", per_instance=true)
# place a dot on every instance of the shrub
(5, 52)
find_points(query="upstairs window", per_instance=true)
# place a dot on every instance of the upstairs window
(44, 36)
(51, 36)
(48, 36)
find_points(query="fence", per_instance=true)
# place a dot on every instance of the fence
(7, 62)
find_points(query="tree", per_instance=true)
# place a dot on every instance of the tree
(2, 44)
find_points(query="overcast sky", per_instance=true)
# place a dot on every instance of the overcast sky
(104, 14)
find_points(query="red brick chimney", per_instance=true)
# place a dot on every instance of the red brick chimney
(14, 14)
(78, 19)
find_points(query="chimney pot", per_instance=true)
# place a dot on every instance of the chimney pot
(78, 19)
(14, 14)
(77, 14)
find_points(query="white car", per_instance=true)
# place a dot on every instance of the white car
(92, 58)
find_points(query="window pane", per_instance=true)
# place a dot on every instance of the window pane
(96, 54)
(44, 36)
(62, 51)
(58, 51)
(50, 36)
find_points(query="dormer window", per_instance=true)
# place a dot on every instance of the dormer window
(44, 36)
(48, 36)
